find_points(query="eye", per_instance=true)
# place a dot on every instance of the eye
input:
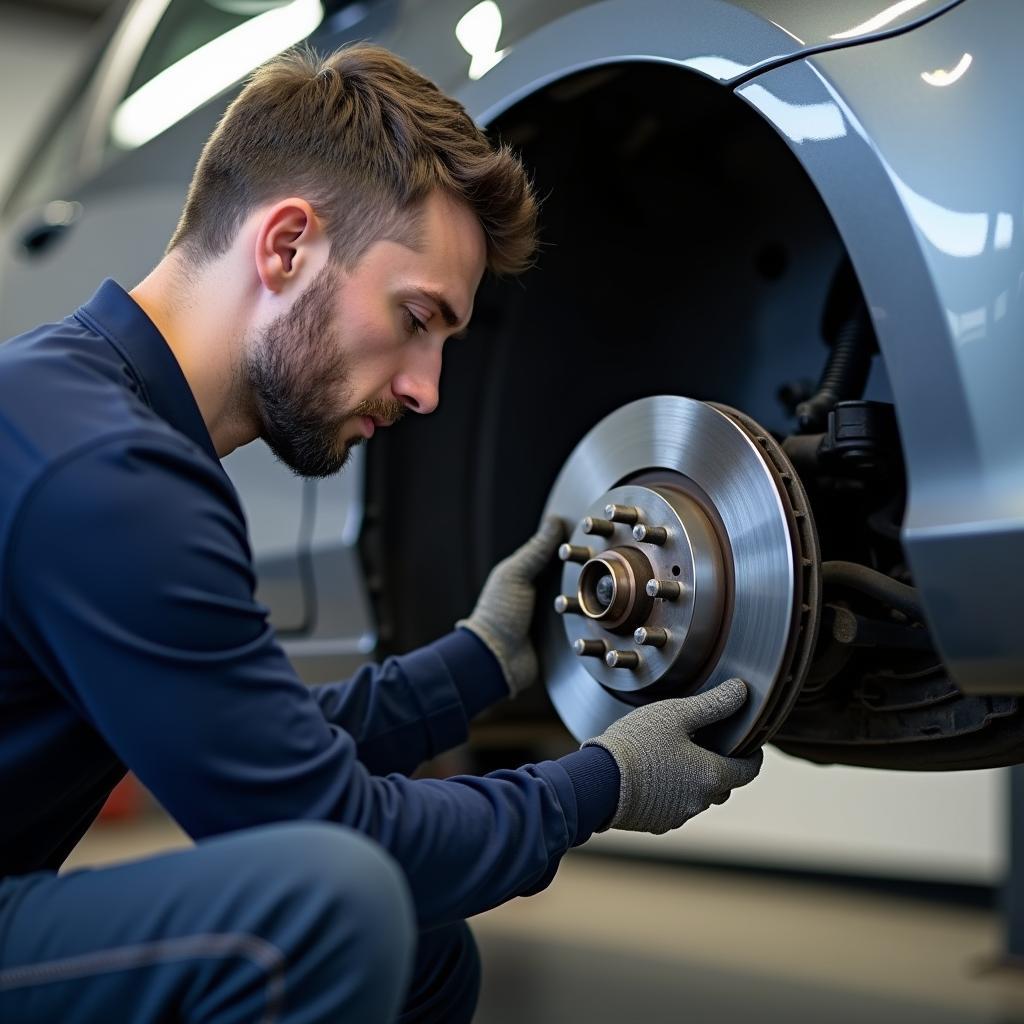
(413, 324)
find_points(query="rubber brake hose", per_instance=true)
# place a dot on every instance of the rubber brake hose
(845, 373)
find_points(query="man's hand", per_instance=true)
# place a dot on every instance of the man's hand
(505, 608)
(666, 778)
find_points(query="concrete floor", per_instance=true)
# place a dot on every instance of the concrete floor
(629, 941)
(622, 941)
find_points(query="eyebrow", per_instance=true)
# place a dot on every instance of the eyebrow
(450, 317)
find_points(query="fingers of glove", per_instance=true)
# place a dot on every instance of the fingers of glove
(713, 705)
(747, 768)
(540, 549)
(723, 774)
(733, 772)
(721, 798)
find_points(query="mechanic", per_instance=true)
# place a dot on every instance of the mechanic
(339, 222)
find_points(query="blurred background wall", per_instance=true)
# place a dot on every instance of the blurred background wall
(41, 46)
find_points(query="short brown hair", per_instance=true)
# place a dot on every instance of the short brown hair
(364, 138)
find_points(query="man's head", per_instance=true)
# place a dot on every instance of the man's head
(366, 206)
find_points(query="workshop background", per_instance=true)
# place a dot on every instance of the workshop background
(816, 892)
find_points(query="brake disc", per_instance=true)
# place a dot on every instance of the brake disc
(692, 558)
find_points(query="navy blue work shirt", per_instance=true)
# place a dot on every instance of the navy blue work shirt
(130, 638)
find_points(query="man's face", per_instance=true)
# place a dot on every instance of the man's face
(361, 346)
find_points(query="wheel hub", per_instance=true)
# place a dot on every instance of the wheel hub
(654, 554)
(692, 558)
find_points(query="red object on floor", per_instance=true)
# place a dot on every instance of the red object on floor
(124, 802)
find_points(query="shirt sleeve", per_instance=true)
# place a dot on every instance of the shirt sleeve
(128, 580)
(417, 705)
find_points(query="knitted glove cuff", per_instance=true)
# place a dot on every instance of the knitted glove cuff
(495, 647)
(633, 760)
(646, 797)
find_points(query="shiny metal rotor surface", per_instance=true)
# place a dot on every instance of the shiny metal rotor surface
(672, 442)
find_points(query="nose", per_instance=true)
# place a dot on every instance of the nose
(417, 387)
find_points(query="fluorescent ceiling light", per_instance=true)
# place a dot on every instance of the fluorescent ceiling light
(244, 8)
(186, 85)
(478, 32)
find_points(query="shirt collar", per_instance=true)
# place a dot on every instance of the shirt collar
(163, 387)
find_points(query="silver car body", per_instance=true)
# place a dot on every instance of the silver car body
(903, 115)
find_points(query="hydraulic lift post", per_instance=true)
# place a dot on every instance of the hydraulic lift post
(1013, 892)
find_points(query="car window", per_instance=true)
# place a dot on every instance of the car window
(198, 49)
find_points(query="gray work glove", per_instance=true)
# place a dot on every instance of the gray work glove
(504, 609)
(666, 778)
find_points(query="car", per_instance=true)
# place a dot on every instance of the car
(781, 276)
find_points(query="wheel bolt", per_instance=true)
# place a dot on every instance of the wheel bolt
(650, 534)
(567, 605)
(651, 636)
(574, 553)
(589, 648)
(627, 514)
(664, 590)
(598, 527)
(622, 659)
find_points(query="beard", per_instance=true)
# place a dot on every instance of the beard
(297, 369)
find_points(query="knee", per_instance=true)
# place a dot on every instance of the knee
(349, 875)
(344, 903)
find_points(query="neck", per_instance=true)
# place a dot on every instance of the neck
(199, 315)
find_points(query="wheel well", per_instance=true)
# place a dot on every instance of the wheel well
(683, 250)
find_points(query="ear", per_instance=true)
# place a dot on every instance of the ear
(290, 245)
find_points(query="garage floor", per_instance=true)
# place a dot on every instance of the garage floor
(623, 941)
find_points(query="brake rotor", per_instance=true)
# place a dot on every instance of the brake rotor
(692, 558)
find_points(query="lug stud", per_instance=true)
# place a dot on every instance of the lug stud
(589, 648)
(574, 553)
(567, 605)
(622, 659)
(664, 590)
(650, 534)
(651, 636)
(598, 527)
(627, 514)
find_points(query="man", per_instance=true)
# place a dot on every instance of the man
(339, 222)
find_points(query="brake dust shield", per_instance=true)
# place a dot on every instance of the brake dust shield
(692, 558)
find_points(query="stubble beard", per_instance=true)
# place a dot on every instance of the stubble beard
(296, 371)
